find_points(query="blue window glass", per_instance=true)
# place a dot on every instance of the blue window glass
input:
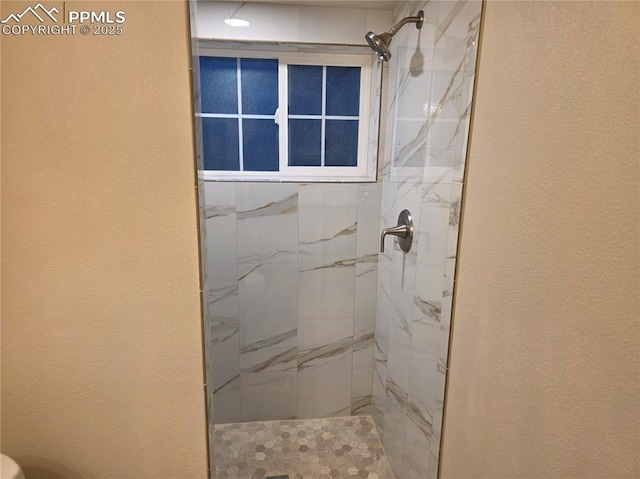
(260, 145)
(259, 78)
(220, 144)
(304, 142)
(343, 91)
(341, 143)
(305, 90)
(219, 85)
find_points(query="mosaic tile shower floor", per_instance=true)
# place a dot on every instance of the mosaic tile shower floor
(329, 448)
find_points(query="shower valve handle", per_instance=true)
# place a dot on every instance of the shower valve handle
(403, 230)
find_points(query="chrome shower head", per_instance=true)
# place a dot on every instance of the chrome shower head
(381, 43)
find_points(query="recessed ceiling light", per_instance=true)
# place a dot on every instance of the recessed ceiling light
(236, 22)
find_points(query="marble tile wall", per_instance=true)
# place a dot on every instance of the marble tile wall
(431, 78)
(291, 286)
(305, 319)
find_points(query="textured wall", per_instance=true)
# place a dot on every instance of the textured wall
(544, 367)
(101, 349)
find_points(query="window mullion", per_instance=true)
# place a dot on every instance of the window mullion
(324, 113)
(240, 142)
(283, 114)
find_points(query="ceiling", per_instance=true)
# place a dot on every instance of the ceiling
(371, 4)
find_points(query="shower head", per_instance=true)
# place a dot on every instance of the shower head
(380, 43)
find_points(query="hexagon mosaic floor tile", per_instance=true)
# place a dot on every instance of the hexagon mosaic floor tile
(329, 448)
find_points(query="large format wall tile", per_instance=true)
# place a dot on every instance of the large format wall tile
(431, 78)
(327, 237)
(268, 395)
(286, 261)
(267, 223)
(268, 303)
(326, 292)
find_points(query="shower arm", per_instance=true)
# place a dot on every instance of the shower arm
(418, 20)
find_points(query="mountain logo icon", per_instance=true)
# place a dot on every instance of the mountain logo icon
(39, 11)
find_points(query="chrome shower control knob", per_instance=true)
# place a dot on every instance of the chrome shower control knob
(403, 230)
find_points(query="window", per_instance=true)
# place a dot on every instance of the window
(286, 116)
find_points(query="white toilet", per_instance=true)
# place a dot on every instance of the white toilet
(9, 469)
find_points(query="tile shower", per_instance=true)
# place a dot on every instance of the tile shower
(285, 262)
(305, 320)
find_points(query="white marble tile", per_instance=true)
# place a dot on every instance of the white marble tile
(368, 234)
(268, 359)
(455, 205)
(268, 239)
(422, 378)
(365, 299)
(398, 369)
(361, 382)
(423, 151)
(414, 86)
(438, 401)
(267, 223)
(384, 313)
(266, 199)
(400, 196)
(202, 205)
(444, 333)
(222, 296)
(393, 440)
(384, 92)
(428, 293)
(454, 20)
(432, 471)
(317, 333)
(325, 390)
(221, 242)
(326, 293)
(219, 194)
(425, 337)
(403, 290)
(446, 94)
(327, 237)
(435, 206)
(365, 316)
(328, 194)
(378, 387)
(268, 302)
(447, 301)
(409, 149)
(268, 396)
(275, 353)
(449, 272)
(440, 136)
(224, 352)
(341, 25)
(416, 453)
(226, 403)
(364, 357)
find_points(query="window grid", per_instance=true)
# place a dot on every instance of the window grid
(365, 169)
(323, 117)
